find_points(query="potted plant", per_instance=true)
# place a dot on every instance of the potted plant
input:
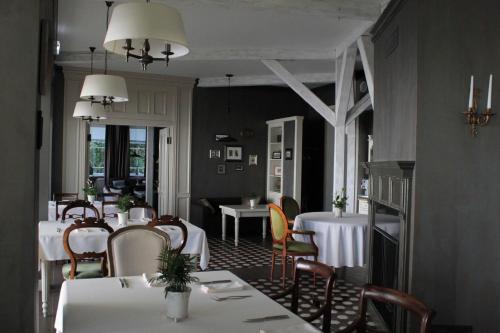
(124, 204)
(175, 273)
(90, 191)
(340, 203)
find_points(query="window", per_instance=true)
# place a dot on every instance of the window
(137, 151)
(97, 148)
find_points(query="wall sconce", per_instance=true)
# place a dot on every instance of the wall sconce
(472, 115)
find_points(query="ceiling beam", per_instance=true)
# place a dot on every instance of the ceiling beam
(266, 80)
(365, 10)
(304, 92)
(365, 47)
(361, 106)
(344, 83)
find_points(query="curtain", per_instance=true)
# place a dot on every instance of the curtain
(117, 161)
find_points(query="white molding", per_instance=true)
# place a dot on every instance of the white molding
(265, 80)
(304, 92)
(365, 47)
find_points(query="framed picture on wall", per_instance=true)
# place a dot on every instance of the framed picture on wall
(221, 169)
(233, 153)
(289, 154)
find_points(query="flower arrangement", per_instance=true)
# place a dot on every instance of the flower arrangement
(175, 270)
(340, 200)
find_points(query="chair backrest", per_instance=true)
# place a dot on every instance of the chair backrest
(147, 211)
(325, 272)
(168, 220)
(64, 196)
(83, 205)
(290, 207)
(135, 249)
(109, 209)
(279, 223)
(398, 298)
(90, 222)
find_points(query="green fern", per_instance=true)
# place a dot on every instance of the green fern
(175, 270)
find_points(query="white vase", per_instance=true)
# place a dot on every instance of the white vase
(338, 212)
(178, 304)
(91, 198)
(122, 218)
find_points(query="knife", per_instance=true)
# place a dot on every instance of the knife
(215, 282)
(258, 320)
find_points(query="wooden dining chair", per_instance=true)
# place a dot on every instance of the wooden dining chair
(168, 220)
(322, 308)
(290, 207)
(109, 209)
(134, 250)
(389, 296)
(82, 264)
(149, 212)
(83, 205)
(284, 244)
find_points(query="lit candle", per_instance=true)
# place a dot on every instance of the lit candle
(471, 91)
(488, 104)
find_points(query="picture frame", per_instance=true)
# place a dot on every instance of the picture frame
(289, 154)
(239, 167)
(214, 153)
(221, 169)
(276, 155)
(233, 153)
(252, 159)
(278, 171)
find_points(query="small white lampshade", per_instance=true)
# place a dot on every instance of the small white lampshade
(87, 110)
(137, 21)
(98, 86)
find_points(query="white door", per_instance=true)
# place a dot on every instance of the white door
(166, 193)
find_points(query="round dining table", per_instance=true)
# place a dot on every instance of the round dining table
(341, 240)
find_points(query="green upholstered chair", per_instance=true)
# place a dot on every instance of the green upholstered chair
(290, 207)
(90, 268)
(284, 244)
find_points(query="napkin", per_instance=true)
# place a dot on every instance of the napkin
(301, 328)
(147, 277)
(222, 287)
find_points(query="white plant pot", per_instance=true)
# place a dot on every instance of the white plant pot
(178, 304)
(338, 212)
(253, 203)
(91, 198)
(122, 218)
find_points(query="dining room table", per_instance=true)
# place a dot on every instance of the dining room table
(341, 241)
(51, 248)
(105, 305)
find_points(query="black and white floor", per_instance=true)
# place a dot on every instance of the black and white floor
(251, 260)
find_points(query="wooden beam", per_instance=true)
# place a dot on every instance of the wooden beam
(344, 83)
(265, 80)
(304, 92)
(361, 106)
(365, 46)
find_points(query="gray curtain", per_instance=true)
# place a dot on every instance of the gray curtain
(117, 160)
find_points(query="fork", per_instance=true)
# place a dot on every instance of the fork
(220, 299)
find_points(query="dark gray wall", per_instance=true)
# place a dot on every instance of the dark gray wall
(19, 20)
(456, 260)
(396, 92)
(250, 108)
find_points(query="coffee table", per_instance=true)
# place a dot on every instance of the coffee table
(239, 211)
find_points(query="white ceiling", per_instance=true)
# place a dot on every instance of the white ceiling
(232, 36)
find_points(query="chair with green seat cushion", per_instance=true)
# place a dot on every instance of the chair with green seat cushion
(283, 243)
(85, 270)
(290, 207)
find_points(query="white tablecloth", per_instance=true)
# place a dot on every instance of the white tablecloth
(51, 243)
(101, 305)
(341, 241)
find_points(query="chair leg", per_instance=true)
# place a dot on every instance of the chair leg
(283, 269)
(273, 259)
(314, 273)
(293, 268)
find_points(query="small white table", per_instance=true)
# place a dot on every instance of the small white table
(50, 244)
(239, 211)
(101, 305)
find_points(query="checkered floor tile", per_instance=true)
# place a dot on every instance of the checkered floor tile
(225, 256)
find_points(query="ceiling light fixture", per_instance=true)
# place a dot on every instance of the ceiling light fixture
(156, 27)
(87, 110)
(104, 88)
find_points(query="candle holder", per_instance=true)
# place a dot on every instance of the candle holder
(476, 119)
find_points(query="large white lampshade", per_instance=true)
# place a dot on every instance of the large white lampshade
(138, 21)
(89, 111)
(104, 88)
